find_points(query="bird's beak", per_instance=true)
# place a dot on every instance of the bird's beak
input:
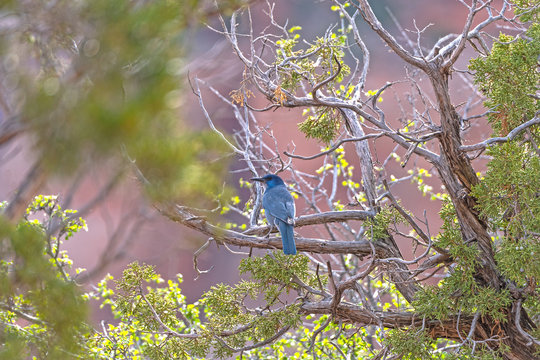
(257, 179)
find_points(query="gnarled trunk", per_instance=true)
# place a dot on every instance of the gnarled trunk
(458, 176)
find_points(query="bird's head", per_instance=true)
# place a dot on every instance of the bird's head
(270, 180)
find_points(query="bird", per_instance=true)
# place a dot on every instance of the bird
(279, 208)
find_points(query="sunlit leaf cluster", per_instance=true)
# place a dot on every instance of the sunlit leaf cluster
(309, 67)
(41, 308)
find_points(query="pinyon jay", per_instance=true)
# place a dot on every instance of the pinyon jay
(279, 208)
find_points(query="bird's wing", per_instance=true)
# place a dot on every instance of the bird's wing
(291, 211)
(279, 203)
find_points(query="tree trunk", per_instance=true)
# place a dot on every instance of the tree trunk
(398, 272)
(458, 176)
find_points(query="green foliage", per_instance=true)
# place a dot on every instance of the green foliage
(41, 309)
(297, 343)
(450, 238)
(416, 344)
(271, 276)
(297, 65)
(381, 223)
(450, 297)
(141, 299)
(508, 197)
(435, 302)
(229, 323)
(110, 90)
(274, 271)
(314, 65)
(459, 291)
(323, 124)
(411, 344)
(519, 262)
(155, 321)
(527, 10)
(508, 77)
(508, 194)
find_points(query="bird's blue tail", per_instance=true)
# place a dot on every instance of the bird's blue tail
(287, 237)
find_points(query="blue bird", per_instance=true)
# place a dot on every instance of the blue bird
(279, 208)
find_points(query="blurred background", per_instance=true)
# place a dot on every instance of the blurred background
(122, 224)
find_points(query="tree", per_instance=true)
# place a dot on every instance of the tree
(487, 302)
(351, 292)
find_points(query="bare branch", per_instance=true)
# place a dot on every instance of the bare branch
(320, 218)
(511, 136)
(182, 215)
(371, 19)
(21, 314)
(463, 37)
(333, 148)
(33, 181)
(163, 325)
(472, 34)
(197, 92)
(196, 257)
(393, 320)
(517, 321)
(271, 339)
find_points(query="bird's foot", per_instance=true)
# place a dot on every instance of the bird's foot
(270, 228)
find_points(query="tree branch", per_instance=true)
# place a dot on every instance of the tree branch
(369, 16)
(360, 248)
(333, 148)
(255, 345)
(511, 136)
(463, 37)
(321, 218)
(392, 320)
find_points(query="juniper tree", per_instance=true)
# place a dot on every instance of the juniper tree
(485, 303)
(470, 290)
